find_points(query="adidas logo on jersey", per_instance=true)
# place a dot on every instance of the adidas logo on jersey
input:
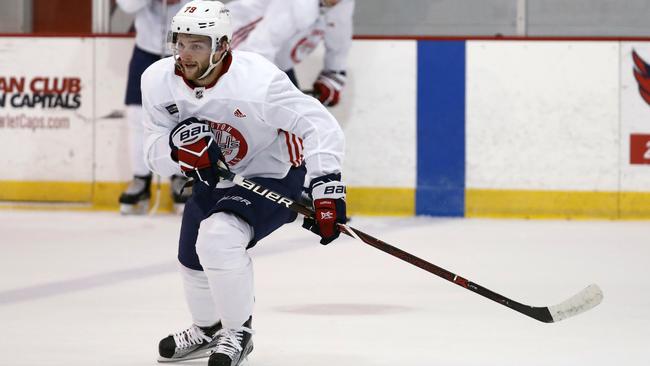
(239, 113)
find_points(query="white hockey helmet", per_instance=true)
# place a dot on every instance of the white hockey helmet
(204, 18)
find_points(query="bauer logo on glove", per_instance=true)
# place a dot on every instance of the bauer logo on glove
(194, 148)
(332, 189)
(191, 133)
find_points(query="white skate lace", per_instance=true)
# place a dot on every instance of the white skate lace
(190, 337)
(229, 341)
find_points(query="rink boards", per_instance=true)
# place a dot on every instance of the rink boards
(541, 128)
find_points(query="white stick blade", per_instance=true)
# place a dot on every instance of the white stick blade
(586, 299)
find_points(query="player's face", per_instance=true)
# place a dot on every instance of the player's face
(193, 54)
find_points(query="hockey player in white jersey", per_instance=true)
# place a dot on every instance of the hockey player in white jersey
(208, 106)
(152, 18)
(286, 31)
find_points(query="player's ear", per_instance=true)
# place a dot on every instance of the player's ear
(224, 44)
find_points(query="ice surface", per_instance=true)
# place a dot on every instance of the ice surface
(96, 288)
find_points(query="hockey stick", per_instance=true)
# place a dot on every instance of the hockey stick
(578, 303)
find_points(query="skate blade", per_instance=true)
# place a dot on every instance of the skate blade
(202, 354)
(139, 208)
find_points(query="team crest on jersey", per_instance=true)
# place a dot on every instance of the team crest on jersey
(231, 141)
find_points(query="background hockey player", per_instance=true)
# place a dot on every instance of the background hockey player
(208, 106)
(152, 18)
(286, 31)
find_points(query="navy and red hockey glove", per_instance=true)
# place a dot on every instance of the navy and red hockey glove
(196, 152)
(328, 86)
(328, 194)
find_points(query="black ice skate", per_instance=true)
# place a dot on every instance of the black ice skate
(181, 192)
(233, 346)
(191, 343)
(135, 200)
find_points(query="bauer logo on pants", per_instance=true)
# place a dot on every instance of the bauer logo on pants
(275, 197)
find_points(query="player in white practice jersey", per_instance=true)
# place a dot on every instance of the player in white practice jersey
(209, 105)
(152, 18)
(286, 31)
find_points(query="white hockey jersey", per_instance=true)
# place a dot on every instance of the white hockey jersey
(286, 31)
(152, 20)
(262, 123)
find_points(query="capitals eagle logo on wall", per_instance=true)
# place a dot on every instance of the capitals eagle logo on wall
(640, 142)
(642, 76)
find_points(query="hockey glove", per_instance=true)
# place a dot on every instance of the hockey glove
(328, 194)
(328, 86)
(194, 149)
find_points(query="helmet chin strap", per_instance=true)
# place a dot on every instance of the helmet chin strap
(213, 65)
